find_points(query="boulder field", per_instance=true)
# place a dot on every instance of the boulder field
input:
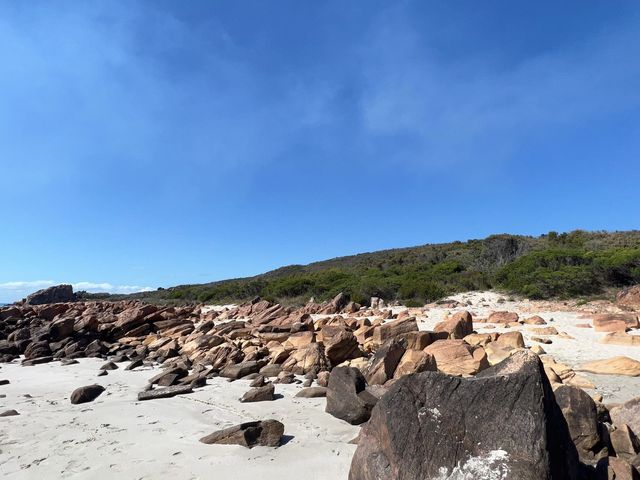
(450, 403)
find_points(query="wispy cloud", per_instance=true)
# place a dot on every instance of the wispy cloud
(455, 112)
(12, 291)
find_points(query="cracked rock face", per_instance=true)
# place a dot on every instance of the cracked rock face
(435, 426)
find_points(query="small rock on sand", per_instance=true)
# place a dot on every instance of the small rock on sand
(86, 394)
(165, 392)
(266, 433)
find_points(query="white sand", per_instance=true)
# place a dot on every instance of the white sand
(118, 437)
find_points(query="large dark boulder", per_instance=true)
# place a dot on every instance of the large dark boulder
(86, 394)
(503, 424)
(347, 397)
(56, 294)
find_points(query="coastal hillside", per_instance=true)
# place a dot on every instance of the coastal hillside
(554, 265)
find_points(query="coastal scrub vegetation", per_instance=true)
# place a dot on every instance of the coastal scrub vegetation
(566, 265)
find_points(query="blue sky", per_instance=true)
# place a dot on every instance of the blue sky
(147, 144)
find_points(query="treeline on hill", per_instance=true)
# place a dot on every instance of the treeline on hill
(564, 265)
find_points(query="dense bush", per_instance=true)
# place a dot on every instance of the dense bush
(554, 265)
(570, 272)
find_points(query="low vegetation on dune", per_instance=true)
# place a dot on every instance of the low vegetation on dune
(566, 265)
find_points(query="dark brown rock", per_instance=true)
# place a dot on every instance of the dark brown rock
(36, 350)
(165, 392)
(55, 294)
(109, 366)
(340, 344)
(259, 381)
(624, 441)
(271, 370)
(627, 414)
(504, 422)
(266, 433)
(259, 394)
(383, 364)
(312, 392)
(347, 397)
(134, 364)
(240, 370)
(581, 414)
(86, 394)
(61, 328)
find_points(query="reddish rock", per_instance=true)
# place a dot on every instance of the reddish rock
(457, 326)
(503, 317)
(394, 328)
(456, 357)
(629, 297)
(615, 322)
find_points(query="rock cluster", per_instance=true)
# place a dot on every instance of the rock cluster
(449, 403)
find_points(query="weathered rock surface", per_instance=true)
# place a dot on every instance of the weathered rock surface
(614, 366)
(382, 365)
(458, 326)
(456, 357)
(629, 297)
(432, 426)
(415, 361)
(627, 414)
(86, 394)
(503, 317)
(267, 433)
(394, 328)
(340, 344)
(624, 441)
(581, 414)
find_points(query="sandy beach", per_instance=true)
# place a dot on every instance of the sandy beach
(117, 436)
